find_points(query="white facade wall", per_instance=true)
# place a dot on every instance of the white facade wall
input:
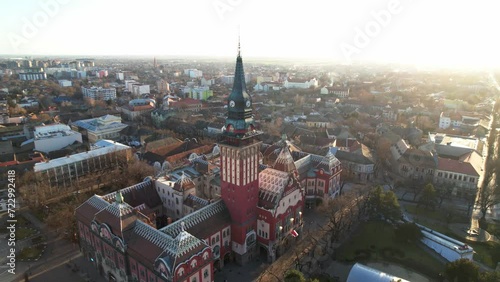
(33, 76)
(58, 142)
(444, 122)
(120, 76)
(139, 89)
(65, 83)
(99, 93)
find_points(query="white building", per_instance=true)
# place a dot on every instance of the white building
(193, 73)
(65, 83)
(267, 86)
(105, 127)
(300, 83)
(341, 92)
(207, 81)
(32, 76)
(444, 121)
(227, 79)
(120, 75)
(67, 171)
(445, 246)
(174, 190)
(99, 93)
(54, 137)
(129, 83)
(139, 89)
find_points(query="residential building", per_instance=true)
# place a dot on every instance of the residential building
(227, 79)
(95, 129)
(101, 73)
(317, 121)
(412, 163)
(193, 73)
(140, 89)
(462, 174)
(446, 121)
(455, 141)
(357, 165)
(54, 137)
(187, 104)
(65, 83)
(32, 76)
(300, 83)
(99, 93)
(198, 93)
(137, 108)
(120, 76)
(163, 86)
(206, 81)
(341, 92)
(160, 116)
(267, 86)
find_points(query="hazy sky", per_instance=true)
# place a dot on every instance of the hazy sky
(419, 31)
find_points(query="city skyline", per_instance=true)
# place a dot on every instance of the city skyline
(409, 32)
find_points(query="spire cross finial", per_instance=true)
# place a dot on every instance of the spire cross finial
(239, 46)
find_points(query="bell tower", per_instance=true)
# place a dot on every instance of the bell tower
(239, 159)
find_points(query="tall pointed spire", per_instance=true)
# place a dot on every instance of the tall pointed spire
(239, 103)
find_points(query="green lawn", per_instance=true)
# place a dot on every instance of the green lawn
(376, 242)
(31, 252)
(486, 252)
(22, 233)
(493, 228)
(437, 214)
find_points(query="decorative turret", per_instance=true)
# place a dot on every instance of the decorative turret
(285, 162)
(183, 183)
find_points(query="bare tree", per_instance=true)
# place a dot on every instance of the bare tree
(489, 197)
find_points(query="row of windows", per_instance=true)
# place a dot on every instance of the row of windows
(456, 177)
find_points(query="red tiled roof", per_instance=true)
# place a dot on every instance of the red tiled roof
(188, 101)
(456, 166)
(142, 108)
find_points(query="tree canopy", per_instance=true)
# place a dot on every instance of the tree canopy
(428, 198)
(462, 270)
(384, 204)
(408, 232)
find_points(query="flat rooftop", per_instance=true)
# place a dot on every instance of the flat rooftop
(103, 147)
(454, 140)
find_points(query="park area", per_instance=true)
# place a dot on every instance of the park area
(376, 241)
(455, 226)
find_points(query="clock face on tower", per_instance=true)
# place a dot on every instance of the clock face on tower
(248, 103)
(231, 104)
